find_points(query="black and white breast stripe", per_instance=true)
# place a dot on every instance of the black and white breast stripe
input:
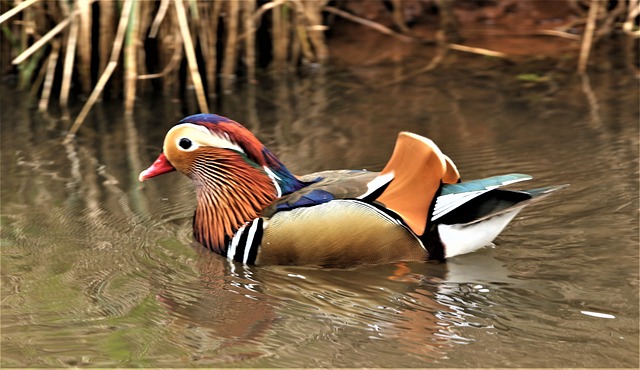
(244, 245)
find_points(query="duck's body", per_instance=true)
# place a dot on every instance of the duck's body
(253, 210)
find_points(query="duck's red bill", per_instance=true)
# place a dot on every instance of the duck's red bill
(160, 166)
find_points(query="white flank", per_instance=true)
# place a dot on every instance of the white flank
(234, 242)
(273, 178)
(466, 238)
(378, 182)
(252, 234)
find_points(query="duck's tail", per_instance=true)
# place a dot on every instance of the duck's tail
(422, 185)
(475, 223)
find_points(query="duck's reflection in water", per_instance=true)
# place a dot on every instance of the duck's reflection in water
(236, 312)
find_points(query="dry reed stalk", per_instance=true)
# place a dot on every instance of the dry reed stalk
(157, 21)
(111, 66)
(587, 38)
(25, 34)
(296, 46)
(249, 6)
(558, 33)
(207, 49)
(441, 52)
(371, 24)
(48, 80)
(46, 38)
(387, 31)
(67, 70)
(24, 74)
(84, 44)
(168, 68)
(313, 12)
(229, 57)
(303, 39)
(398, 16)
(212, 65)
(106, 35)
(480, 51)
(16, 9)
(448, 22)
(130, 58)
(208, 35)
(633, 10)
(260, 12)
(169, 55)
(609, 18)
(279, 38)
(145, 21)
(195, 18)
(171, 48)
(266, 7)
(193, 14)
(191, 56)
(146, 15)
(39, 80)
(64, 8)
(592, 100)
(26, 70)
(302, 36)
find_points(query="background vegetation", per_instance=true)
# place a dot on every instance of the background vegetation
(59, 49)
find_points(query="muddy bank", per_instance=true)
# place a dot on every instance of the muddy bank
(532, 34)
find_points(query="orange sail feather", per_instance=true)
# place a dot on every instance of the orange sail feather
(419, 168)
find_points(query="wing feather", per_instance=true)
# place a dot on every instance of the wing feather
(453, 196)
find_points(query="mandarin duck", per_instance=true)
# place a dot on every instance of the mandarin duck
(252, 209)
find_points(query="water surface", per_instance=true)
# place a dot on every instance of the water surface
(100, 270)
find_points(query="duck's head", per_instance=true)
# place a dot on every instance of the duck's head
(202, 135)
(202, 145)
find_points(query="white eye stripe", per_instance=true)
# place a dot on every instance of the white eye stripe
(201, 136)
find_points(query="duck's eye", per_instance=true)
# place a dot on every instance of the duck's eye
(185, 143)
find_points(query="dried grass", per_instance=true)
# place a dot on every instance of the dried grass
(214, 38)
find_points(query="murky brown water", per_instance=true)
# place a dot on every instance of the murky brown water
(99, 270)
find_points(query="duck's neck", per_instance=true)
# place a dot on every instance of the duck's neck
(230, 192)
(285, 181)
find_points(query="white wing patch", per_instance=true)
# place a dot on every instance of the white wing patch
(378, 182)
(449, 202)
